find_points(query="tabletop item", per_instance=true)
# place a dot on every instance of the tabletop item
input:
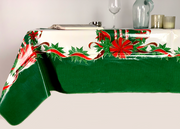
(96, 23)
(95, 26)
(169, 22)
(141, 13)
(114, 7)
(157, 21)
(90, 61)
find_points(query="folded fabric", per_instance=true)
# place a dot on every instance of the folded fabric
(102, 61)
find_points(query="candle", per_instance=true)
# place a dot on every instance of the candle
(169, 22)
(157, 21)
(168, 25)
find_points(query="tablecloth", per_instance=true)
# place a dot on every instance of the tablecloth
(90, 61)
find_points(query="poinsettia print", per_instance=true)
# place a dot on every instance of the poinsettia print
(121, 47)
(26, 57)
(102, 35)
(33, 34)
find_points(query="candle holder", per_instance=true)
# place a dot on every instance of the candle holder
(157, 21)
(169, 22)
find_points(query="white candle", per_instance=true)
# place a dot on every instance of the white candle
(168, 25)
(169, 22)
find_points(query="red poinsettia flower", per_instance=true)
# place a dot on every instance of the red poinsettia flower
(102, 35)
(121, 47)
(33, 35)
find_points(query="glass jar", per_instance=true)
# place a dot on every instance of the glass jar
(141, 13)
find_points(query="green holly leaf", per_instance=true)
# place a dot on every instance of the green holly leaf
(5, 84)
(164, 47)
(143, 40)
(54, 56)
(106, 45)
(98, 48)
(153, 47)
(137, 45)
(78, 58)
(60, 49)
(39, 56)
(73, 49)
(46, 47)
(144, 48)
(177, 51)
(33, 42)
(54, 47)
(78, 50)
(38, 49)
(178, 58)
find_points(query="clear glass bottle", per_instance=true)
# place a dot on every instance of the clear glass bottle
(141, 13)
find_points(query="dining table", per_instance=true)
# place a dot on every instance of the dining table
(90, 61)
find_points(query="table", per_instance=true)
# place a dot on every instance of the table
(90, 61)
